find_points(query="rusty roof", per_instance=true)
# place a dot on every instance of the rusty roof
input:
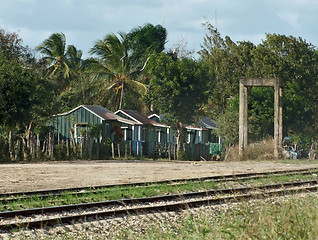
(140, 118)
(100, 111)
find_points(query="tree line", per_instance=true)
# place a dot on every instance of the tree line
(134, 70)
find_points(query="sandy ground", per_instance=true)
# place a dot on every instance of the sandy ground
(55, 175)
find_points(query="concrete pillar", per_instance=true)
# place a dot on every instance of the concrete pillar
(278, 129)
(243, 119)
(278, 112)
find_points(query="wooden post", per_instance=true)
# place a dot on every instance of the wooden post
(126, 149)
(85, 145)
(34, 146)
(30, 146)
(113, 151)
(17, 154)
(50, 144)
(44, 146)
(140, 149)
(82, 147)
(97, 148)
(91, 143)
(38, 143)
(137, 153)
(67, 148)
(169, 151)
(130, 148)
(118, 146)
(11, 145)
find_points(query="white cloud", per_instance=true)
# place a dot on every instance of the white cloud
(84, 22)
(255, 38)
(292, 18)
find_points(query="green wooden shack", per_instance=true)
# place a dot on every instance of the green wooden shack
(72, 124)
(147, 132)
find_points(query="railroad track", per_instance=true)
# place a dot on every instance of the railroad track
(50, 216)
(16, 196)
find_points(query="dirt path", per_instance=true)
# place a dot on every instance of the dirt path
(30, 177)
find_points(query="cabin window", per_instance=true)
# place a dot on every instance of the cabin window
(106, 130)
(144, 134)
(127, 133)
(199, 136)
(189, 136)
(158, 135)
(80, 129)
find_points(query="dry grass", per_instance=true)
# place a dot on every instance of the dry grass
(263, 150)
(295, 218)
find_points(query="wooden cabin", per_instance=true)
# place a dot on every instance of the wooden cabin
(81, 119)
(147, 131)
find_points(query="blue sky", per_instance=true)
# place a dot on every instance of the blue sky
(85, 21)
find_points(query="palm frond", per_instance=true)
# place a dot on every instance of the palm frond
(142, 88)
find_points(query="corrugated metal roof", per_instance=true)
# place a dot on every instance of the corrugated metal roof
(101, 112)
(208, 123)
(141, 118)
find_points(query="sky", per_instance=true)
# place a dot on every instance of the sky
(86, 21)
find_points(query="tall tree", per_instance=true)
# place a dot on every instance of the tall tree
(12, 48)
(294, 61)
(291, 59)
(59, 57)
(113, 68)
(144, 40)
(63, 66)
(119, 66)
(25, 96)
(227, 61)
(178, 89)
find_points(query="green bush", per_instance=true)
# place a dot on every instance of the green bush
(183, 156)
(60, 152)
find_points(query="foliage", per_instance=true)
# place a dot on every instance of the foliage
(117, 133)
(113, 69)
(144, 40)
(290, 59)
(228, 127)
(130, 70)
(63, 66)
(178, 88)
(59, 57)
(12, 48)
(25, 96)
(227, 61)
(16, 92)
(117, 71)
(95, 130)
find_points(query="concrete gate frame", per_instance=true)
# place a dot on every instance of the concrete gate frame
(278, 111)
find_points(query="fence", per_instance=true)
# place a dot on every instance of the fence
(17, 148)
(191, 151)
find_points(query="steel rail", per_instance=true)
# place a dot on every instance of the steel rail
(243, 191)
(15, 196)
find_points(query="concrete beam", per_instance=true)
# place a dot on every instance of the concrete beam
(278, 111)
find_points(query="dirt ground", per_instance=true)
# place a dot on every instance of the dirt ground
(56, 175)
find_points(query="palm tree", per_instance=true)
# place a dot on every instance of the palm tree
(114, 66)
(59, 58)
